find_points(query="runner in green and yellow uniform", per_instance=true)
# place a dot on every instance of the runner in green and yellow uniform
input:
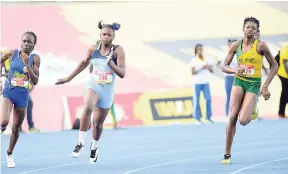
(247, 81)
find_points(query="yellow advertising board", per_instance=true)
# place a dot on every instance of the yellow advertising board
(166, 107)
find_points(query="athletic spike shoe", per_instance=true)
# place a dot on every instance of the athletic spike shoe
(94, 155)
(227, 159)
(77, 151)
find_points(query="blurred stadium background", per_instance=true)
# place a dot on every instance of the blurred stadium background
(158, 46)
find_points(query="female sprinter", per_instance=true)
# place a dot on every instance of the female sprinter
(247, 82)
(24, 68)
(107, 60)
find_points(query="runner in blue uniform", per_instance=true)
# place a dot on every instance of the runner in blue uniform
(24, 68)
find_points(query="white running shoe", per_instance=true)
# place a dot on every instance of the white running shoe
(77, 151)
(10, 161)
(94, 155)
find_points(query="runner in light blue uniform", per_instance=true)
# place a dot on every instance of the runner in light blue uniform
(108, 61)
(102, 78)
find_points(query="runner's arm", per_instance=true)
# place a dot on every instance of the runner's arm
(6, 55)
(273, 64)
(120, 68)
(83, 64)
(226, 66)
(34, 71)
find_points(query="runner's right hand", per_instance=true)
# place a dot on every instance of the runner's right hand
(62, 81)
(240, 71)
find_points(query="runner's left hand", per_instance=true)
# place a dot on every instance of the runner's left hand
(265, 93)
(110, 56)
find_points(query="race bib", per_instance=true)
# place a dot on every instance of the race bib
(19, 82)
(249, 70)
(103, 77)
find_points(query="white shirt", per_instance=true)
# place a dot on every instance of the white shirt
(203, 76)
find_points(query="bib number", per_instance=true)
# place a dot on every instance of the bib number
(103, 77)
(19, 82)
(249, 70)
